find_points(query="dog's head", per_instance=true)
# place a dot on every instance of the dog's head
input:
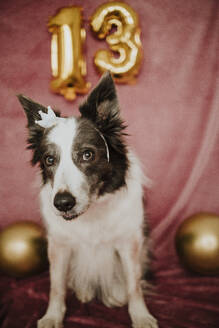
(80, 158)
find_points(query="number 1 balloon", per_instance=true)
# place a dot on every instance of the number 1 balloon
(67, 61)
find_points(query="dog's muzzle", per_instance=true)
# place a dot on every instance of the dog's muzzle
(66, 204)
(64, 201)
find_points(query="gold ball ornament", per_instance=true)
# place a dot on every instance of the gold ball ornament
(23, 249)
(197, 243)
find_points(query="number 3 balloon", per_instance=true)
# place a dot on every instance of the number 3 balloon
(118, 23)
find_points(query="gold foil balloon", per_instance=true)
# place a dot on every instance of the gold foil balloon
(118, 23)
(197, 243)
(67, 61)
(23, 249)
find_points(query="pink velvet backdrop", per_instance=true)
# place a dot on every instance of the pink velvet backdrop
(172, 114)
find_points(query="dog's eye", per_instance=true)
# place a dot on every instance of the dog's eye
(88, 155)
(49, 160)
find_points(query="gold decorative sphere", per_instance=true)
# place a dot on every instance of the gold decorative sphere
(197, 243)
(23, 249)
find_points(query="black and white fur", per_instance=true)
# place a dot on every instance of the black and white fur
(91, 202)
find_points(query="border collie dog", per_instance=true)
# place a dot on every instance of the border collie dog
(91, 202)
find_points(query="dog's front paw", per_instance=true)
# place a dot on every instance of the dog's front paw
(47, 322)
(147, 321)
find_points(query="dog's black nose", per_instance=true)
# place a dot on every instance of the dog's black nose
(64, 201)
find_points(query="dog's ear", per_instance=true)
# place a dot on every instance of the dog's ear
(101, 105)
(31, 109)
(36, 131)
(102, 108)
